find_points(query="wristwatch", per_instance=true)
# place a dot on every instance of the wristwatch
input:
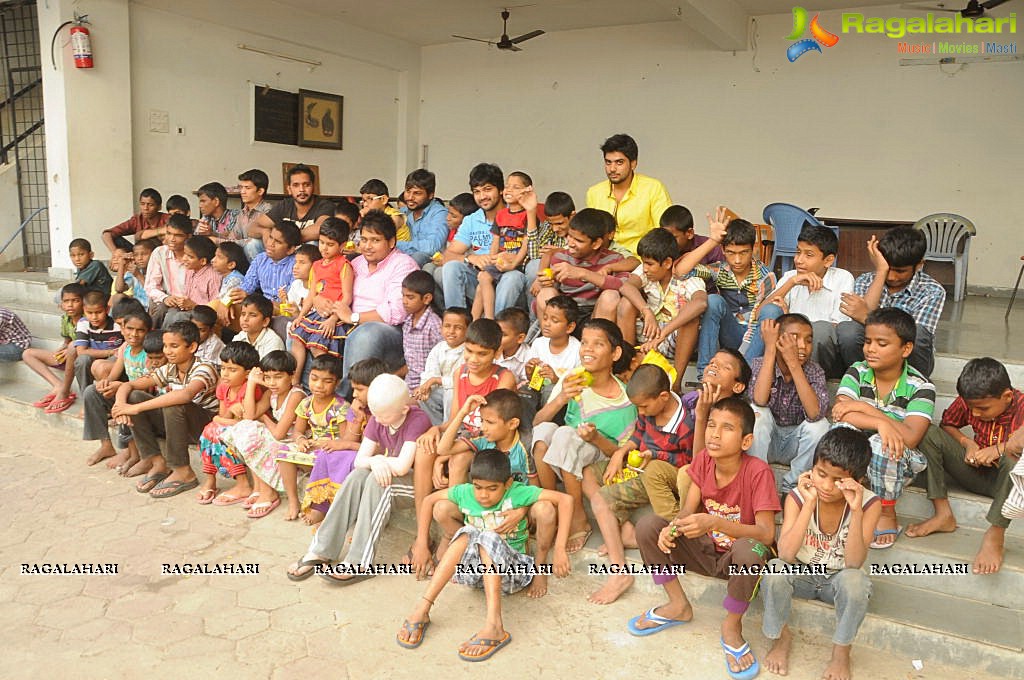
(355, 318)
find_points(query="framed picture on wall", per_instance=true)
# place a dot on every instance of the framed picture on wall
(320, 119)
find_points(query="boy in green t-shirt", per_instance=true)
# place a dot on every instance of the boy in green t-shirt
(478, 556)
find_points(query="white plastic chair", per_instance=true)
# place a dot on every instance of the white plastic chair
(949, 240)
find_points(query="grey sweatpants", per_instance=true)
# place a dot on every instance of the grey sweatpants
(364, 506)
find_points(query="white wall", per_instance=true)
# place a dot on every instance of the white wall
(192, 69)
(849, 130)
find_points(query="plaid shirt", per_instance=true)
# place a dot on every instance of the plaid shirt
(247, 216)
(912, 395)
(13, 330)
(544, 235)
(227, 227)
(417, 341)
(784, 402)
(923, 298)
(760, 282)
(986, 432)
(672, 443)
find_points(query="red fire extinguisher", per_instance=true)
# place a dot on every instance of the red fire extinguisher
(81, 47)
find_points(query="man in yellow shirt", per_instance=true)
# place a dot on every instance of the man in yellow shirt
(635, 200)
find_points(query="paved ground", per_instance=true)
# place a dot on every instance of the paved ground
(140, 623)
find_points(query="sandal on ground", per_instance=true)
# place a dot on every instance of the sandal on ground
(737, 654)
(262, 509)
(228, 499)
(206, 496)
(250, 499)
(895, 533)
(585, 535)
(45, 401)
(492, 647)
(415, 631)
(302, 564)
(61, 405)
(172, 488)
(147, 483)
(344, 579)
(649, 615)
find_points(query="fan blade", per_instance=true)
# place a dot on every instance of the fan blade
(466, 37)
(992, 4)
(526, 36)
(509, 46)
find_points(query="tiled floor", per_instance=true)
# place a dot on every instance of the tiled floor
(975, 327)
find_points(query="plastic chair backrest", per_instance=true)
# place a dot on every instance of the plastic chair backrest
(945, 233)
(787, 220)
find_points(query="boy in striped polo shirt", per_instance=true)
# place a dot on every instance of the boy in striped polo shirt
(886, 395)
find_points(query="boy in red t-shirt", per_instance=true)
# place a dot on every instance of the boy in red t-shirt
(508, 245)
(723, 530)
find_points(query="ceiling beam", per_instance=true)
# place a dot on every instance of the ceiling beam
(723, 22)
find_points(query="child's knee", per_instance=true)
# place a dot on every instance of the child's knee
(445, 510)
(543, 512)
(748, 552)
(852, 584)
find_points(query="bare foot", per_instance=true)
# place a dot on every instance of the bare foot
(293, 510)
(777, 658)
(611, 590)
(538, 587)
(106, 450)
(124, 468)
(140, 467)
(603, 550)
(990, 555)
(838, 667)
(313, 517)
(117, 462)
(936, 524)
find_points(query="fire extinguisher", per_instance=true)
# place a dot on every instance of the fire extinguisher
(81, 46)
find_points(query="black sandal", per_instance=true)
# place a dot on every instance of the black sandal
(302, 563)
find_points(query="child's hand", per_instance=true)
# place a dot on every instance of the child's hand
(876, 257)
(302, 443)
(282, 294)
(256, 376)
(892, 440)
(528, 199)
(971, 450)
(327, 326)
(841, 409)
(437, 476)
(564, 270)
(572, 386)
(786, 346)
(588, 433)
(668, 535)
(770, 332)
(697, 524)
(809, 279)
(709, 394)
(806, 488)
(381, 471)
(510, 520)
(651, 327)
(987, 456)
(428, 440)
(645, 458)
(717, 224)
(421, 559)
(852, 490)
(853, 306)
(473, 401)
(561, 565)
(614, 465)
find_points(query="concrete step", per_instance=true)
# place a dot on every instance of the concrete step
(42, 320)
(28, 287)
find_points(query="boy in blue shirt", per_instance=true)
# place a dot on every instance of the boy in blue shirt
(487, 549)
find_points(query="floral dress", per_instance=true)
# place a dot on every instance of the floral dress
(324, 424)
(253, 442)
(215, 454)
(331, 468)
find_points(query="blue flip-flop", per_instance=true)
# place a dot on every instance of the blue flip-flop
(895, 533)
(662, 622)
(736, 654)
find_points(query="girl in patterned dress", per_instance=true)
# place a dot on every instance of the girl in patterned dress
(237, 359)
(317, 329)
(331, 467)
(259, 438)
(320, 421)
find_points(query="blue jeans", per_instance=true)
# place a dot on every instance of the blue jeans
(849, 590)
(459, 282)
(10, 352)
(510, 291)
(373, 339)
(790, 444)
(719, 328)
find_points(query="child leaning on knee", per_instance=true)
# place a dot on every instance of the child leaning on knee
(237, 359)
(828, 523)
(437, 381)
(482, 554)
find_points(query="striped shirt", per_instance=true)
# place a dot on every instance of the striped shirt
(584, 292)
(269, 276)
(741, 298)
(106, 338)
(986, 432)
(672, 443)
(923, 298)
(168, 378)
(418, 338)
(544, 235)
(912, 395)
(784, 402)
(13, 330)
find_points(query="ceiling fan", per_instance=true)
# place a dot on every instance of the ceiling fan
(973, 10)
(505, 43)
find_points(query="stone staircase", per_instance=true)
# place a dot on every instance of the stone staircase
(972, 622)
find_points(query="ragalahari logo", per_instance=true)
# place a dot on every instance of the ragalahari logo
(820, 35)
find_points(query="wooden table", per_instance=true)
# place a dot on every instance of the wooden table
(853, 252)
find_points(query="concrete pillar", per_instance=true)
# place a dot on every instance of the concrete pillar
(88, 125)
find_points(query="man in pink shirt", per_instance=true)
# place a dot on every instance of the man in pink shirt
(165, 276)
(376, 310)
